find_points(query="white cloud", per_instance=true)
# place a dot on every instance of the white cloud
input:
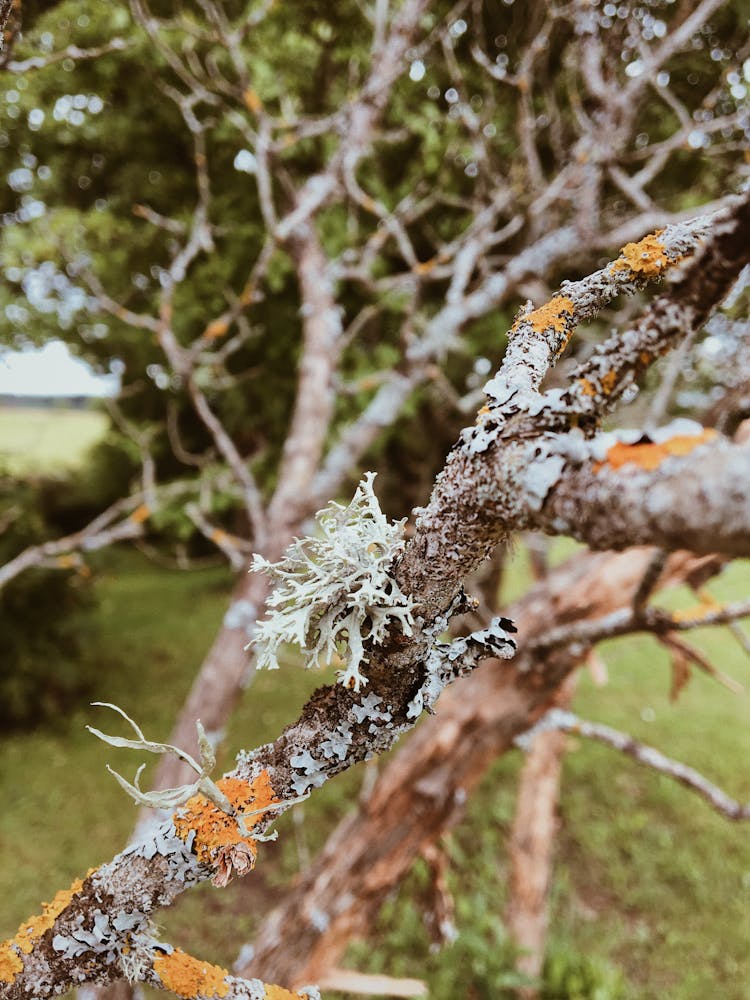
(51, 371)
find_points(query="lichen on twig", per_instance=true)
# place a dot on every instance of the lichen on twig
(168, 798)
(335, 591)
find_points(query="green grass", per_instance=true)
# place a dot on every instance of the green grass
(47, 440)
(649, 881)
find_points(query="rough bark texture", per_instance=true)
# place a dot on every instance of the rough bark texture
(700, 501)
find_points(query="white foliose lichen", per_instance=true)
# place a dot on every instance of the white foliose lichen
(127, 938)
(314, 773)
(335, 591)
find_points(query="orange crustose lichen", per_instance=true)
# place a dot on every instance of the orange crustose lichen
(10, 963)
(552, 315)
(217, 328)
(647, 258)
(31, 930)
(707, 606)
(189, 977)
(279, 993)
(252, 101)
(650, 456)
(216, 830)
(141, 514)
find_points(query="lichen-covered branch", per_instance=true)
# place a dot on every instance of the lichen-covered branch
(676, 490)
(505, 466)
(6, 6)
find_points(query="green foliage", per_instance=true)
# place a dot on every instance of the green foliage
(570, 976)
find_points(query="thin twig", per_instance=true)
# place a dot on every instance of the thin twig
(716, 797)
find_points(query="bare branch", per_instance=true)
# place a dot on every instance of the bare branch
(70, 52)
(716, 797)
(238, 465)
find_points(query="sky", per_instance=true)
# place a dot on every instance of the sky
(51, 371)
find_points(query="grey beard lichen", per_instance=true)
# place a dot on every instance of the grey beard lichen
(169, 798)
(335, 591)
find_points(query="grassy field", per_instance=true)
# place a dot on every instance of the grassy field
(651, 890)
(47, 439)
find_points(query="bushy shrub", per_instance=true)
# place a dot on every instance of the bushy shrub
(42, 670)
(105, 476)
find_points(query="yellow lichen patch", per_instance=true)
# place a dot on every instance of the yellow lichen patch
(141, 514)
(216, 329)
(216, 830)
(252, 101)
(609, 382)
(707, 606)
(279, 993)
(481, 412)
(650, 456)
(647, 257)
(189, 977)
(694, 614)
(425, 266)
(645, 358)
(33, 928)
(10, 963)
(553, 315)
(586, 387)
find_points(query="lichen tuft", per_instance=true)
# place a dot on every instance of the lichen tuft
(335, 592)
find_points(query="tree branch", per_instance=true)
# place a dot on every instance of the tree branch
(646, 755)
